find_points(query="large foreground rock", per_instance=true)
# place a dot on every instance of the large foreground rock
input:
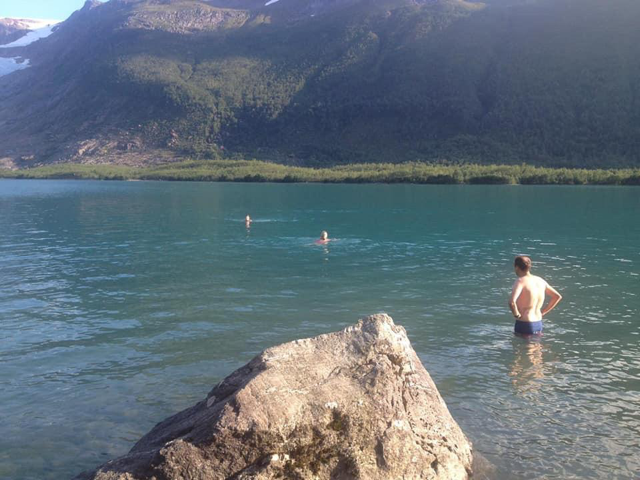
(355, 404)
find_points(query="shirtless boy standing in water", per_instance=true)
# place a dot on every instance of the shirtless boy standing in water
(527, 299)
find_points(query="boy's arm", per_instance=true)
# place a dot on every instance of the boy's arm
(555, 299)
(515, 293)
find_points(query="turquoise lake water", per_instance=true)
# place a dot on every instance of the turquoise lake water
(124, 302)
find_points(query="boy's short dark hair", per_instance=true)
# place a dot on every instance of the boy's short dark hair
(523, 263)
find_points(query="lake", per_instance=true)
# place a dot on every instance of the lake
(124, 302)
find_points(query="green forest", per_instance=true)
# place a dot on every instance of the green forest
(415, 172)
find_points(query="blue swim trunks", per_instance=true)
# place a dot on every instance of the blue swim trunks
(528, 328)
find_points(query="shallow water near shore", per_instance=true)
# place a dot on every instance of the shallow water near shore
(124, 302)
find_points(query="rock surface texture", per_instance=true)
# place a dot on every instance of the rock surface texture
(355, 404)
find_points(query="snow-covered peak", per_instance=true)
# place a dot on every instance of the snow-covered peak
(28, 23)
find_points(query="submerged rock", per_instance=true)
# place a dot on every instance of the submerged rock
(355, 404)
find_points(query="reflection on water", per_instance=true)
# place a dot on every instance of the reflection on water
(528, 368)
(122, 303)
(325, 251)
(533, 365)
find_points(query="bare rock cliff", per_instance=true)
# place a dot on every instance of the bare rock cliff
(355, 404)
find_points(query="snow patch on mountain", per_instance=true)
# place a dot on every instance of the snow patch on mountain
(31, 37)
(10, 65)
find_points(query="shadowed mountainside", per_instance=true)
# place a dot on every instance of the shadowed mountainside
(319, 82)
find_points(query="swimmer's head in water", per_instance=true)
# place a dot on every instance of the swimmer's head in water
(247, 218)
(523, 264)
(324, 235)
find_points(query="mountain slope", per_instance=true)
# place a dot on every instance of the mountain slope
(11, 29)
(327, 81)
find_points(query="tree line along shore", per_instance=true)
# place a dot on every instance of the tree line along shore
(260, 171)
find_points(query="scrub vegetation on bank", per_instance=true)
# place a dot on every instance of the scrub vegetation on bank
(258, 171)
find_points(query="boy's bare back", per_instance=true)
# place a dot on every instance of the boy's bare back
(532, 290)
(528, 293)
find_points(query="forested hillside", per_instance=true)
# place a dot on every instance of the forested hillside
(322, 82)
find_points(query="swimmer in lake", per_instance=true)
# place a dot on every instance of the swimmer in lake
(324, 238)
(247, 221)
(527, 299)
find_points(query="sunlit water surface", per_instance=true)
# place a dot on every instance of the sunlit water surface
(123, 302)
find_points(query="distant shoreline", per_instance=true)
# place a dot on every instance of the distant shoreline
(408, 173)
